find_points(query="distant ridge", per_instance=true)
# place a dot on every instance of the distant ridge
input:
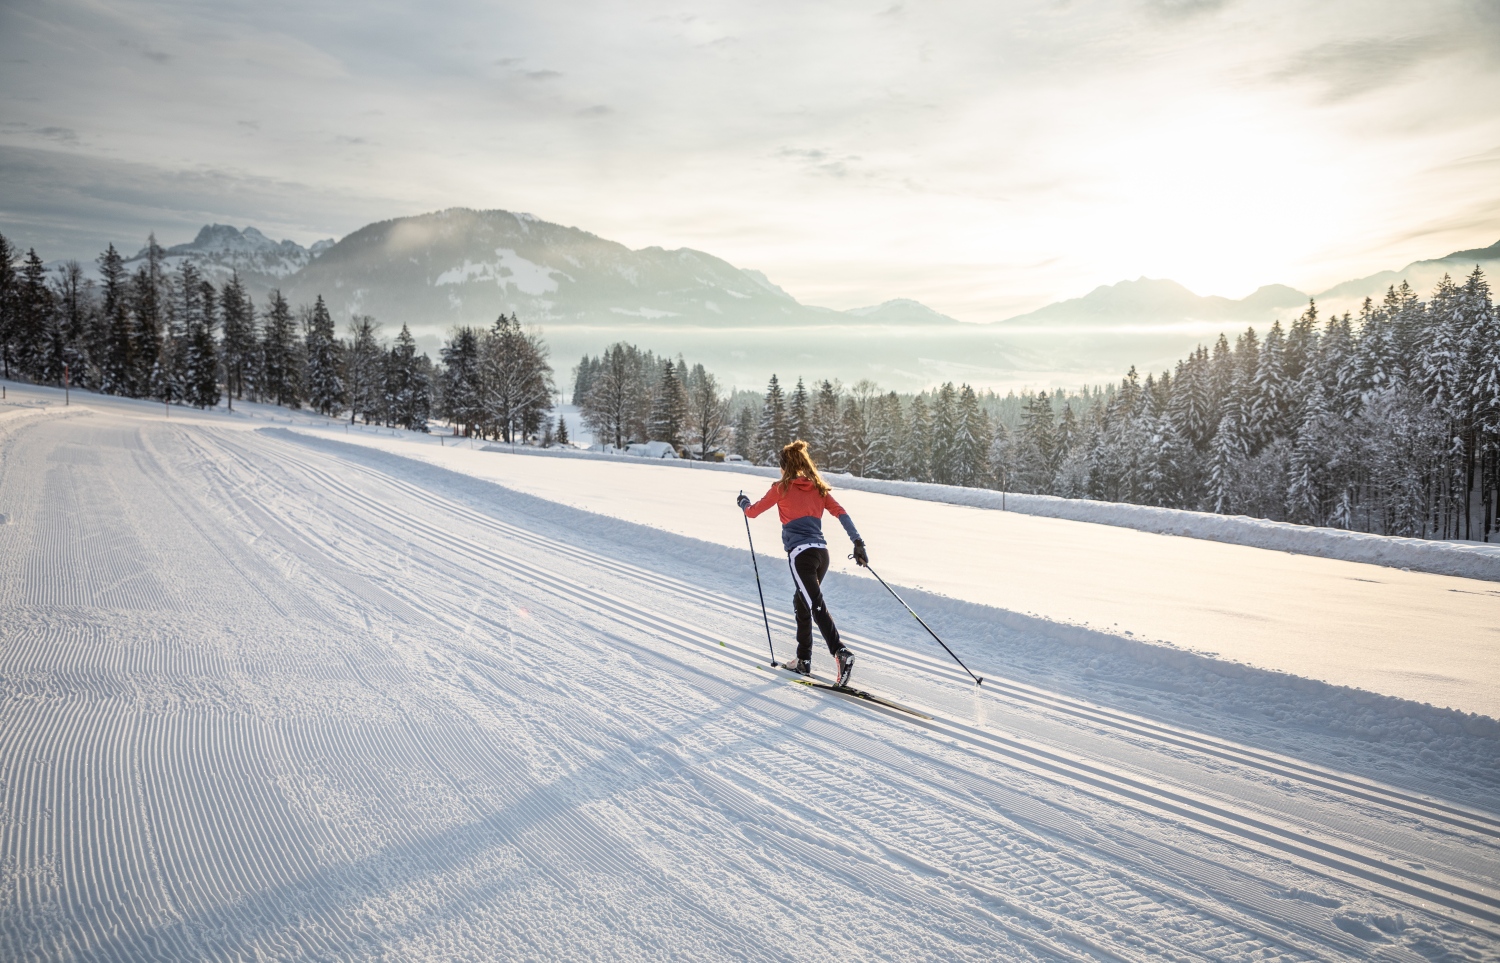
(1422, 275)
(1153, 301)
(220, 250)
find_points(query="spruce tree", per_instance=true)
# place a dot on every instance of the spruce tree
(9, 309)
(364, 370)
(799, 411)
(459, 394)
(971, 440)
(77, 326)
(669, 408)
(773, 433)
(279, 367)
(408, 386)
(147, 293)
(744, 433)
(827, 424)
(240, 344)
(201, 350)
(322, 377)
(917, 454)
(37, 327)
(117, 359)
(611, 410)
(561, 435)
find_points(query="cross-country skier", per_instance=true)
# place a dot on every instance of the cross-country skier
(803, 496)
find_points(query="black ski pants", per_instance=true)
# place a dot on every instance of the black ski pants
(808, 566)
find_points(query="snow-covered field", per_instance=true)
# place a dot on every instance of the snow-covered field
(268, 693)
(1417, 636)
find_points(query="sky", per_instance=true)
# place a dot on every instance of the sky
(984, 158)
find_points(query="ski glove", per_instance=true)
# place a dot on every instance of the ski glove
(861, 557)
(743, 501)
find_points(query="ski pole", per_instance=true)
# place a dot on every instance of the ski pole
(764, 617)
(977, 679)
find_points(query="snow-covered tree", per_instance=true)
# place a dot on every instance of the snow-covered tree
(323, 378)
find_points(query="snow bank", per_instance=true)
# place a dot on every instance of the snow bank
(1462, 559)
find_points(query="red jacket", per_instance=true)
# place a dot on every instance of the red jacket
(802, 510)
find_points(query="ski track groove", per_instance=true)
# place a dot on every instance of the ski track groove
(1212, 817)
(1326, 932)
(1346, 785)
(302, 799)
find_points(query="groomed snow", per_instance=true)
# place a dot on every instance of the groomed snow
(1417, 636)
(267, 694)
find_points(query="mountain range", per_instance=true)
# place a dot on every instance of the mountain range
(460, 266)
(220, 250)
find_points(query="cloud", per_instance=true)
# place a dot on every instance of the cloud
(597, 110)
(71, 206)
(818, 161)
(1184, 9)
(63, 135)
(155, 56)
(542, 74)
(1349, 68)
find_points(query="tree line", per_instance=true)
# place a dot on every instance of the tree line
(172, 336)
(1388, 422)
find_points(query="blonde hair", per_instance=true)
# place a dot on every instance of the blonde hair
(796, 461)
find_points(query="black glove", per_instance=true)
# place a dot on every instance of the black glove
(861, 557)
(742, 501)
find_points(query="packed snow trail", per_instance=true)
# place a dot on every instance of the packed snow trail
(266, 695)
(1417, 636)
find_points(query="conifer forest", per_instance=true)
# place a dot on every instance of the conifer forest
(1388, 422)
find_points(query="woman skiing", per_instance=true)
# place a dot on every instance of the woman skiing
(803, 496)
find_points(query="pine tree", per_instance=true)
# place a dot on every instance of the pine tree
(971, 440)
(827, 424)
(1301, 344)
(611, 409)
(1036, 458)
(744, 433)
(1271, 407)
(201, 383)
(408, 386)
(459, 390)
(240, 345)
(944, 456)
(117, 358)
(669, 408)
(35, 323)
(279, 369)
(917, 454)
(9, 306)
(799, 411)
(887, 435)
(147, 292)
(322, 377)
(561, 435)
(364, 370)
(773, 432)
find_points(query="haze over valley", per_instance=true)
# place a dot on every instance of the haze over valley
(465, 267)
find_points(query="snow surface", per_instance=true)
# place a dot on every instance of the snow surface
(509, 268)
(268, 693)
(1421, 637)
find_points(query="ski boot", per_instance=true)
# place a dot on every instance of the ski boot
(799, 666)
(844, 659)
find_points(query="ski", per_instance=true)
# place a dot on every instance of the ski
(854, 693)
